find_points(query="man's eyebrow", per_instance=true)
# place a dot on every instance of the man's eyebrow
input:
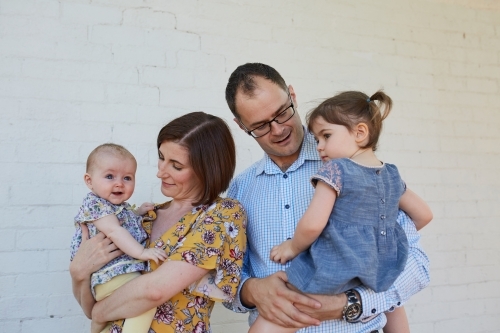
(280, 109)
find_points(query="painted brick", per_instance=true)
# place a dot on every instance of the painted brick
(149, 18)
(88, 14)
(122, 35)
(30, 8)
(172, 40)
(144, 55)
(132, 94)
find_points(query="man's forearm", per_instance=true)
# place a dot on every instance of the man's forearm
(81, 289)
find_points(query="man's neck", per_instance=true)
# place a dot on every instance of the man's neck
(285, 162)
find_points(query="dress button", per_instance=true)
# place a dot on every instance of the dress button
(382, 200)
(382, 233)
(382, 217)
(287, 206)
(377, 172)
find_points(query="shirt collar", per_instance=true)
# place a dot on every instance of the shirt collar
(307, 153)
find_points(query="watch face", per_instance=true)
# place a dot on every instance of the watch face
(353, 311)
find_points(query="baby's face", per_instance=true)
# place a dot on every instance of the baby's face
(113, 178)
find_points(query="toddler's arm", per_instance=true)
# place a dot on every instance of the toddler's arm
(416, 208)
(110, 226)
(144, 208)
(310, 225)
(397, 322)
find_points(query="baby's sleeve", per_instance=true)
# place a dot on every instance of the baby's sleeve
(94, 208)
(331, 173)
(217, 243)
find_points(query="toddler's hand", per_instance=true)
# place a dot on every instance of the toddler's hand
(153, 254)
(144, 208)
(283, 252)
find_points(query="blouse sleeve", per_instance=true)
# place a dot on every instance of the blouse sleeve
(217, 242)
(94, 208)
(331, 173)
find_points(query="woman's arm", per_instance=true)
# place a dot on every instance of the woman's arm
(90, 257)
(416, 208)
(147, 291)
(310, 225)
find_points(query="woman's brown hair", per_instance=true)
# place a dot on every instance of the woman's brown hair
(211, 148)
(350, 108)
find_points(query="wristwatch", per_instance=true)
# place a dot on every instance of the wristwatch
(353, 308)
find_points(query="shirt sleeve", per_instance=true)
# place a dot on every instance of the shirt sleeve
(217, 242)
(331, 173)
(94, 208)
(413, 279)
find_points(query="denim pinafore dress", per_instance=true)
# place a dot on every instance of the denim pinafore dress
(362, 243)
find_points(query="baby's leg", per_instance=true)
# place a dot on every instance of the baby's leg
(262, 325)
(397, 322)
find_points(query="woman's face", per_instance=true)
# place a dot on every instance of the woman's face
(178, 180)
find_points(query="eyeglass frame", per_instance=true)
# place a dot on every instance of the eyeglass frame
(249, 132)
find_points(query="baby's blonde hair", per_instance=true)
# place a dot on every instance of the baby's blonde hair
(108, 149)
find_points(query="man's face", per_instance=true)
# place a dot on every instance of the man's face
(283, 141)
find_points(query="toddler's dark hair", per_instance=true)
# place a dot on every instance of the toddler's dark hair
(350, 108)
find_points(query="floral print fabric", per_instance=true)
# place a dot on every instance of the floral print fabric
(94, 208)
(211, 237)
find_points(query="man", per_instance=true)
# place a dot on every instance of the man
(275, 191)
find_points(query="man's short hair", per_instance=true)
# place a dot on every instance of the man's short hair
(243, 78)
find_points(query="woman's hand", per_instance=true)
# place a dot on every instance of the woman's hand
(91, 256)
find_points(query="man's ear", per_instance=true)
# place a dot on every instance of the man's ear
(292, 95)
(239, 124)
(88, 180)
(361, 133)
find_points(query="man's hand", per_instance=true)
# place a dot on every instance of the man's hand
(331, 307)
(277, 303)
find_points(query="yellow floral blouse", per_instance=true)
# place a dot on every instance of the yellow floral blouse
(211, 237)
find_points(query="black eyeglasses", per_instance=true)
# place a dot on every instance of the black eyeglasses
(281, 118)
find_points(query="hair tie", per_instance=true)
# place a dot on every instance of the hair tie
(368, 100)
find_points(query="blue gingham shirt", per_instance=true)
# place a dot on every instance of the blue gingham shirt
(275, 201)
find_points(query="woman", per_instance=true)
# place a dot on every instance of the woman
(202, 234)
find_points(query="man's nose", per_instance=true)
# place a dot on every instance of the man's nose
(276, 129)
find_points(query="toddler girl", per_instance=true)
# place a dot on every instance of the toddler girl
(349, 234)
(110, 176)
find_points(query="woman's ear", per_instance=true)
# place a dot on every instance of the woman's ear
(88, 180)
(361, 133)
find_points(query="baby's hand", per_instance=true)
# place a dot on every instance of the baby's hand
(283, 252)
(153, 254)
(144, 208)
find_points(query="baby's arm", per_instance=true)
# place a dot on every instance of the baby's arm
(110, 226)
(416, 208)
(144, 208)
(397, 322)
(310, 225)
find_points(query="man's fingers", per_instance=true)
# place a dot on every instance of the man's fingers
(85, 232)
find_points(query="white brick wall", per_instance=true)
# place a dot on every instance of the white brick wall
(77, 73)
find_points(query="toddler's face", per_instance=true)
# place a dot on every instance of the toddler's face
(334, 141)
(112, 178)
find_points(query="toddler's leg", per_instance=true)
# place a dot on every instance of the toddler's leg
(139, 324)
(262, 325)
(397, 322)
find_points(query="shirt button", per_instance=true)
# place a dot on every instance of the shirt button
(374, 310)
(287, 206)
(382, 233)
(391, 309)
(399, 303)
(285, 176)
(377, 172)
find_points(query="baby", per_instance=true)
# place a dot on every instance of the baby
(110, 176)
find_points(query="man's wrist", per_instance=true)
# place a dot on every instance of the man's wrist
(353, 308)
(246, 298)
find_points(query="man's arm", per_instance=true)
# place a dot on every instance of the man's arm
(90, 257)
